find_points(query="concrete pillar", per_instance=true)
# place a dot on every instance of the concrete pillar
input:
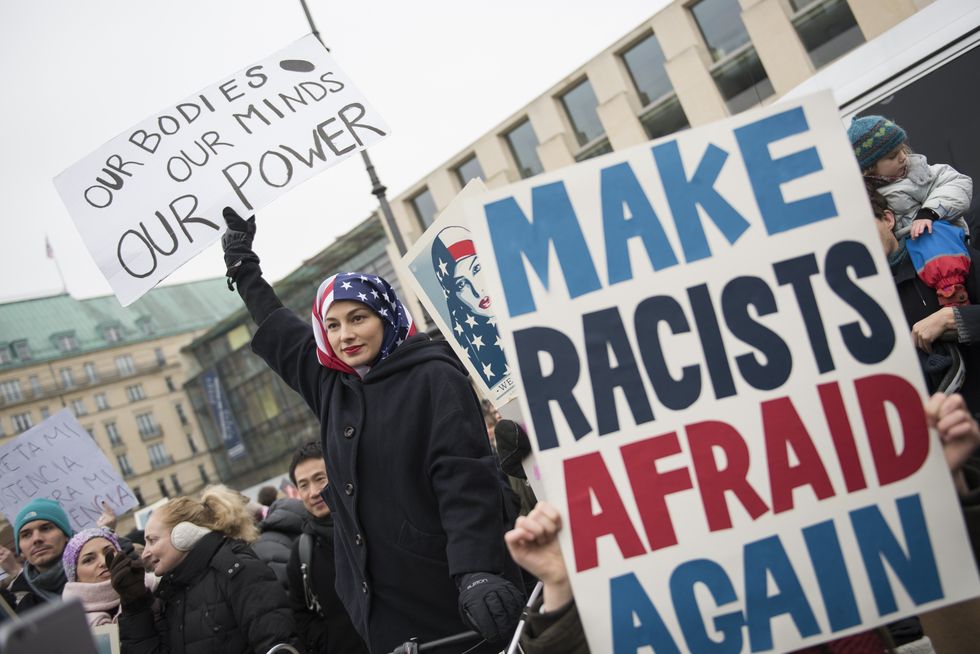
(554, 142)
(495, 162)
(443, 186)
(618, 104)
(875, 18)
(779, 47)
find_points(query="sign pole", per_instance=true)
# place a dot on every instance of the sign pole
(378, 189)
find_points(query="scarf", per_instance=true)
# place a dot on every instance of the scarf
(378, 296)
(46, 585)
(101, 602)
(896, 258)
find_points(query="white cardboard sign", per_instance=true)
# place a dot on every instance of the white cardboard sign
(150, 199)
(58, 460)
(722, 393)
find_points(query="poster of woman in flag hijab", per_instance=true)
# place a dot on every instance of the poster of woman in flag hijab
(446, 275)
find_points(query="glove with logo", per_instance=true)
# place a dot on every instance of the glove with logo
(237, 243)
(490, 603)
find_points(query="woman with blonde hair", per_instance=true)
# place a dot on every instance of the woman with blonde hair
(216, 596)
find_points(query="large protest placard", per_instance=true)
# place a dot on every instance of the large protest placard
(151, 198)
(724, 401)
(58, 460)
(446, 275)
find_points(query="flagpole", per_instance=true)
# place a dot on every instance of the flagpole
(378, 189)
(50, 253)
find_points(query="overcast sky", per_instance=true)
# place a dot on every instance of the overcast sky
(441, 72)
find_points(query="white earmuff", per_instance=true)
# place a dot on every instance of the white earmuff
(185, 535)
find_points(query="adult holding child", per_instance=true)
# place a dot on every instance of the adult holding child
(415, 493)
(216, 596)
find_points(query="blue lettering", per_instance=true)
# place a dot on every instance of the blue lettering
(832, 576)
(767, 175)
(714, 577)
(516, 238)
(635, 621)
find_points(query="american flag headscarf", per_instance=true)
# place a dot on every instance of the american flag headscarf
(369, 290)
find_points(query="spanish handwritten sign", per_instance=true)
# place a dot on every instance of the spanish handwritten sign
(58, 460)
(150, 199)
(724, 400)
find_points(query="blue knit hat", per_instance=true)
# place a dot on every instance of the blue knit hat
(873, 137)
(41, 509)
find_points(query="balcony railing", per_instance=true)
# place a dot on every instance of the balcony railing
(162, 463)
(149, 433)
(104, 376)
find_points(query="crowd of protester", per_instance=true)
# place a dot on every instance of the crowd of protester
(413, 523)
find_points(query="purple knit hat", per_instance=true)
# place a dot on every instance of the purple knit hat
(70, 558)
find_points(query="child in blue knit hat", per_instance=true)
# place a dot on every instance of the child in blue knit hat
(917, 192)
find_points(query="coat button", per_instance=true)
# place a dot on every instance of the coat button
(358, 540)
(348, 432)
(349, 489)
(364, 586)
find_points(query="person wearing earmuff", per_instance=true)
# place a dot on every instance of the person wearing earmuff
(216, 596)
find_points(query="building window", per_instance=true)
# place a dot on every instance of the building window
(22, 421)
(523, 144)
(35, 385)
(125, 365)
(827, 29)
(204, 474)
(158, 353)
(124, 467)
(112, 333)
(67, 379)
(661, 114)
(580, 106)
(145, 325)
(424, 207)
(147, 426)
(162, 485)
(6, 354)
(45, 412)
(91, 432)
(469, 169)
(113, 432)
(138, 495)
(11, 390)
(101, 402)
(90, 373)
(3, 433)
(738, 73)
(66, 342)
(191, 444)
(158, 456)
(135, 392)
(22, 350)
(176, 483)
(78, 407)
(170, 384)
(179, 408)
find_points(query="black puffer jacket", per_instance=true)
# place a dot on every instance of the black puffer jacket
(220, 600)
(280, 529)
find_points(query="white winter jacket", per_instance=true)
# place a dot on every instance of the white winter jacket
(939, 187)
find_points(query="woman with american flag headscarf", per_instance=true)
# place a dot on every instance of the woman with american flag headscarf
(414, 490)
(474, 326)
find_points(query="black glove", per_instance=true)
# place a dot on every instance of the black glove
(513, 445)
(126, 576)
(926, 214)
(237, 243)
(491, 604)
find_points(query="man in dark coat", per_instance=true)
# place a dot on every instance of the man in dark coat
(41, 531)
(415, 493)
(281, 527)
(321, 619)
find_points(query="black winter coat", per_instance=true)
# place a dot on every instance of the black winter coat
(219, 600)
(329, 630)
(919, 301)
(281, 527)
(415, 492)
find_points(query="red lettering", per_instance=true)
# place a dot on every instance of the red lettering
(586, 476)
(783, 429)
(651, 486)
(713, 481)
(874, 393)
(843, 436)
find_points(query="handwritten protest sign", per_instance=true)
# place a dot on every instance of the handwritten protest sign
(724, 399)
(58, 460)
(446, 275)
(151, 198)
